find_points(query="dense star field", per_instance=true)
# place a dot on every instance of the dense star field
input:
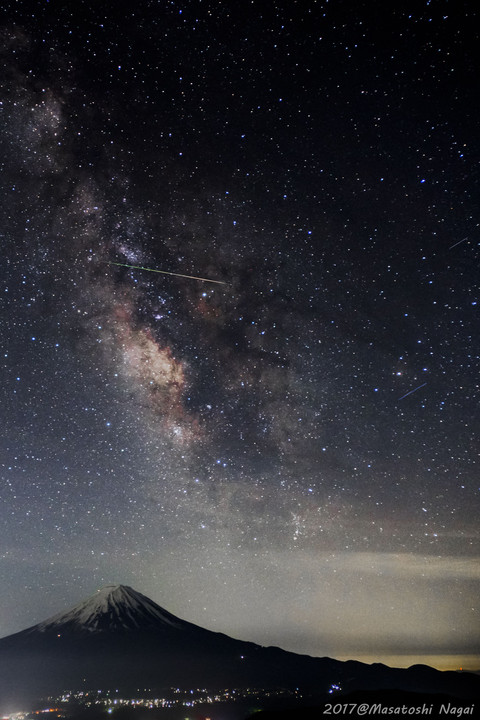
(288, 454)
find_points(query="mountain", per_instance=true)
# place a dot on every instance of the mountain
(112, 608)
(120, 639)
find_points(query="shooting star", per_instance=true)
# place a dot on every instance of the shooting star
(411, 391)
(165, 272)
(458, 243)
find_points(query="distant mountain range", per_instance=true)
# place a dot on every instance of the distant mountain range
(120, 639)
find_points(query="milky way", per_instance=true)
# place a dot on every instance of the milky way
(289, 455)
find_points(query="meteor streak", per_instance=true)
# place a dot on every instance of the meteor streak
(412, 391)
(458, 243)
(165, 272)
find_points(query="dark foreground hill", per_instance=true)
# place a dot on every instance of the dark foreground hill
(120, 640)
(371, 702)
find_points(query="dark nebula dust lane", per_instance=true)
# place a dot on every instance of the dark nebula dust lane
(239, 319)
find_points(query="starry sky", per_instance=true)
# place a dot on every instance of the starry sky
(286, 451)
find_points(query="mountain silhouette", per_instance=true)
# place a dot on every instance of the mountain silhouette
(119, 639)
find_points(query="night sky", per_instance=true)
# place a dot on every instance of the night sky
(288, 454)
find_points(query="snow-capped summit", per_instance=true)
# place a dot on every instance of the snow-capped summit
(112, 607)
